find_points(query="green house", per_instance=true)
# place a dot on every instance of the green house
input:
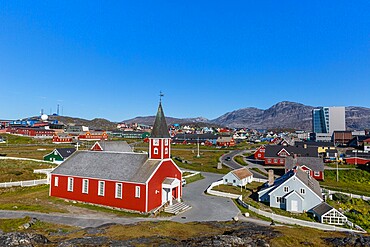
(58, 155)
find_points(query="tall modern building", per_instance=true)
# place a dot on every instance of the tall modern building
(328, 119)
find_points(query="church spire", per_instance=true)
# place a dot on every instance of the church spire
(160, 129)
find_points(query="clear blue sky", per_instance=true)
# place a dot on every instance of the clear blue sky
(110, 59)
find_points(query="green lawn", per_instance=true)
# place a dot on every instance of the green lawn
(240, 160)
(207, 162)
(249, 196)
(357, 210)
(194, 178)
(21, 170)
(351, 181)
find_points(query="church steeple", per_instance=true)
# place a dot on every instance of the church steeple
(160, 129)
(159, 141)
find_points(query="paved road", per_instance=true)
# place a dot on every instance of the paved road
(235, 165)
(206, 207)
(73, 220)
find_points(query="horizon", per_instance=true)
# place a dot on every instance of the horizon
(100, 60)
(181, 117)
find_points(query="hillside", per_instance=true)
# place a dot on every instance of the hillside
(286, 115)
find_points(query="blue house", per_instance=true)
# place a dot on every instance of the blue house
(295, 191)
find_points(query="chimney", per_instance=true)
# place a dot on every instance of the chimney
(271, 177)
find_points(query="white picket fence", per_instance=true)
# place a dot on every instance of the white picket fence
(191, 175)
(259, 180)
(24, 183)
(276, 217)
(219, 193)
(330, 192)
(293, 221)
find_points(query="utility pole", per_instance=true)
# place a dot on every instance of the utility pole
(198, 155)
(337, 166)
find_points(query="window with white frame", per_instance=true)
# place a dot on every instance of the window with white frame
(85, 186)
(166, 142)
(70, 184)
(156, 142)
(155, 150)
(137, 191)
(286, 189)
(166, 150)
(303, 191)
(316, 173)
(101, 188)
(119, 190)
(56, 181)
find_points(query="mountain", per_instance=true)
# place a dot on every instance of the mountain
(285, 115)
(96, 123)
(282, 115)
(289, 115)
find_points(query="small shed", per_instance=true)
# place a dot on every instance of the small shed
(329, 215)
(238, 177)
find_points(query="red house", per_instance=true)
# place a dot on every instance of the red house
(314, 166)
(225, 141)
(124, 180)
(260, 153)
(32, 132)
(57, 139)
(93, 136)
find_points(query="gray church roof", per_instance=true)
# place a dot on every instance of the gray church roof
(115, 146)
(160, 129)
(133, 167)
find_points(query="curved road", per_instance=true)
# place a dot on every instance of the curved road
(206, 207)
(234, 165)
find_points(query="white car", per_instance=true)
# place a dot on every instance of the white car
(183, 182)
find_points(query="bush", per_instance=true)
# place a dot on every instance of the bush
(341, 197)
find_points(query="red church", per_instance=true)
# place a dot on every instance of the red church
(125, 180)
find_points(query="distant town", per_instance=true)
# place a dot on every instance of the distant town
(315, 179)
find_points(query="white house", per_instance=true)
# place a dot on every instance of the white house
(239, 177)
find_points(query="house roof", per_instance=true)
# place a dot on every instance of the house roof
(115, 146)
(224, 139)
(306, 179)
(314, 163)
(273, 150)
(322, 208)
(160, 129)
(309, 181)
(242, 173)
(133, 167)
(65, 152)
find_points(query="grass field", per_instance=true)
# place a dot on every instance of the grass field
(240, 160)
(351, 181)
(249, 196)
(194, 178)
(207, 162)
(21, 170)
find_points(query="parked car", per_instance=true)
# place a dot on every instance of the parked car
(183, 182)
(228, 158)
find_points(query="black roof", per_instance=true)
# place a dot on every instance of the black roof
(66, 152)
(322, 208)
(160, 129)
(357, 153)
(272, 151)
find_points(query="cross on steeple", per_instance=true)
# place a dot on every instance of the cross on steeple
(160, 96)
